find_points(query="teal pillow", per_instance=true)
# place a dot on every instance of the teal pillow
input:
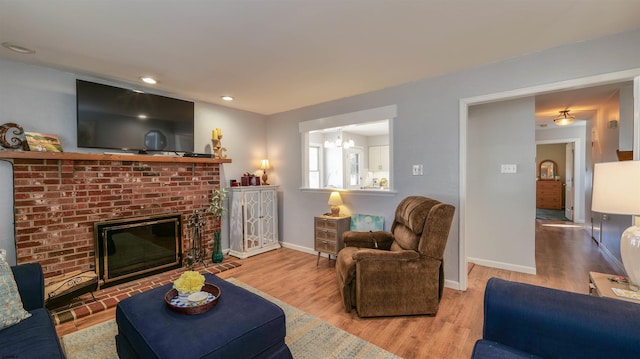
(11, 309)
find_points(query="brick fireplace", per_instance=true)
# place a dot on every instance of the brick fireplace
(58, 199)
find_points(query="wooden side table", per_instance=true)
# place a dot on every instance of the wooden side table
(600, 285)
(328, 234)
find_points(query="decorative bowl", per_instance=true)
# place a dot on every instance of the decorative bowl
(193, 307)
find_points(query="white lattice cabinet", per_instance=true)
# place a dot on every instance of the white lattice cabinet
(253, 220)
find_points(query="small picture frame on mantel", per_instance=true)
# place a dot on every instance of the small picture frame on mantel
(43, 142)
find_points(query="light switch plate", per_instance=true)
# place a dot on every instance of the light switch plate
(508, 168)
(417, 170)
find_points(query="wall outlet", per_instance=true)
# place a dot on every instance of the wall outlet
(417, 170)
(508, 168)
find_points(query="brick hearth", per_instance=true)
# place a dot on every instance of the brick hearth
(57, 202)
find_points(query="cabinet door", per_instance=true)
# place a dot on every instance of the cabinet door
(268, 217)
(374, 158)
(379, 158)
(384, 158)
(251, 207)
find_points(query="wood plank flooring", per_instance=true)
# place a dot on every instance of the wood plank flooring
(564, 256)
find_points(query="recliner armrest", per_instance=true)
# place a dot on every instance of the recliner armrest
(30, 282)
(553, 323)
(377, 254)
(369, 239)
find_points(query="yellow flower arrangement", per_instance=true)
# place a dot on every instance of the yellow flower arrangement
(189, 282)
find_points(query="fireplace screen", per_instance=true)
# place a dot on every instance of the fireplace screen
(130, 248)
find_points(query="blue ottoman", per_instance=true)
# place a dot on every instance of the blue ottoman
(241, 325)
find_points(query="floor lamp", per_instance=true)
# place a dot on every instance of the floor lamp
(616, 190)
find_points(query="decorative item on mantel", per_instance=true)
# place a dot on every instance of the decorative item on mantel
(216, 140)
(12, 137)
(264, 166)
(216, 208)
(195, 254)
(43, 142)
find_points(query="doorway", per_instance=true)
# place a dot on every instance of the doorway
(466, 229)
(569, 155)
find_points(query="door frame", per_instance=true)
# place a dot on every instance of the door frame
(465, 103)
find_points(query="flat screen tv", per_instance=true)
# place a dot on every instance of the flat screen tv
(116, 118)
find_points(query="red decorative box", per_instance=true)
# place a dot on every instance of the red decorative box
(250, 180)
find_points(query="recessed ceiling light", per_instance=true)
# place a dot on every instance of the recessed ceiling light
(17, 48)
(149, 80)
(227, 98)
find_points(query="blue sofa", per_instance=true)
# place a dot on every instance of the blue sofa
(34, 337)
(527, 321)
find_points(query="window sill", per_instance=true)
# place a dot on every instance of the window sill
(365, 192)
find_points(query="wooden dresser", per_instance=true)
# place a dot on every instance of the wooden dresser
(549, 194)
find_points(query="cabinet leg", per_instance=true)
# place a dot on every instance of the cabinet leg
(318, 259)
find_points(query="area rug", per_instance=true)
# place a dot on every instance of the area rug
(308, 337)
(551, 214)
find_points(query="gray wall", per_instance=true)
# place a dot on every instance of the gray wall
(508, 200)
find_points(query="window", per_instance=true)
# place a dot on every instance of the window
(349, 151)
(314, 166)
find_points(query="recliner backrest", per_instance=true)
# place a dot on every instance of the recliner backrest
(422, 224)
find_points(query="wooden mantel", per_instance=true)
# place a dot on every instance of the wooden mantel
(106, 157)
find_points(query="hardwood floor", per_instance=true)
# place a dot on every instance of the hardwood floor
(564, 256)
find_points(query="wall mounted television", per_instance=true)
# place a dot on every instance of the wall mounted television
(110, 117)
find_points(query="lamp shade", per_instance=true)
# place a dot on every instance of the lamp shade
(264, 164)
(335, 199)
(616, 188)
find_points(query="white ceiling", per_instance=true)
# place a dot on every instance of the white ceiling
(277, 55)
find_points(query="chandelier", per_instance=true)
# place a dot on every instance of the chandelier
(339, 143)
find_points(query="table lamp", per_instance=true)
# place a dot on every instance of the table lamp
(616, 190)
(264, 166)
(335, 201)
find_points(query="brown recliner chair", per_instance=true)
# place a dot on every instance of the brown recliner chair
(398, 273)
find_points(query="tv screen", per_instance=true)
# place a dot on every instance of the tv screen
(116, 118)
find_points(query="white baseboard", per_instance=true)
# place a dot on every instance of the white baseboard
(452, 284)
(612, 257)
(502, 265)
(298, 248)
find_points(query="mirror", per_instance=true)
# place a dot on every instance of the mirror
(547, 170)
(348, 152)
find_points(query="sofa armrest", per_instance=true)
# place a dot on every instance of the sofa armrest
(552, 323)
(369, 239)
(30, 281)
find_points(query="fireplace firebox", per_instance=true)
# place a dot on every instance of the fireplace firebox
(130, 248)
